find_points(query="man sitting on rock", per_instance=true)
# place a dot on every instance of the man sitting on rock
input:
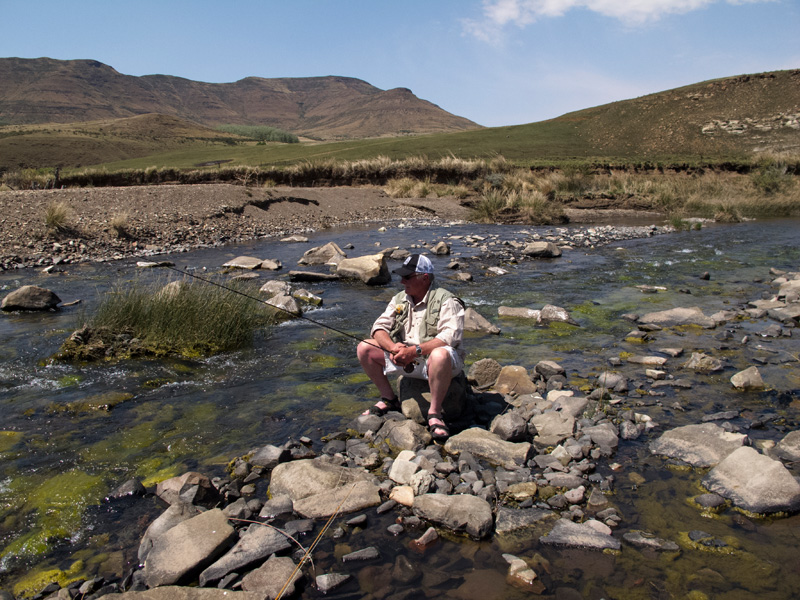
(418, 334)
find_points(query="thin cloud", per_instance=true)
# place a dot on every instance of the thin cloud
(500, 13)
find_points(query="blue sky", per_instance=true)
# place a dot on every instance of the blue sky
(497, 62)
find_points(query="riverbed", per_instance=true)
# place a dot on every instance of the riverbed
(61, 454)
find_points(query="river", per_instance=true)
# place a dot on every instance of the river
(59, 458)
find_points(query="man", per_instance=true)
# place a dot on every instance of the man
(420, 333)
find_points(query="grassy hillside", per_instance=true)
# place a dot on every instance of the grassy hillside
(726, 120)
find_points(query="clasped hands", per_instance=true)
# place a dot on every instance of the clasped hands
(402, 354)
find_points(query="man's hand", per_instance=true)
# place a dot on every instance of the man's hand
(402, 354)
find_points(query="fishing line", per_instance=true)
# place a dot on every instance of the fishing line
(301, 316)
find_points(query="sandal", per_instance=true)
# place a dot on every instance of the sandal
(434, 427)
(379, 411)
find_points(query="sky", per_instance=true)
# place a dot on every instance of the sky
(496, 62)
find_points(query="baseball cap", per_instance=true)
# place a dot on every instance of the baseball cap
(416, 263)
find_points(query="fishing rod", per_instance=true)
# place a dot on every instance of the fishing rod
(259, 300)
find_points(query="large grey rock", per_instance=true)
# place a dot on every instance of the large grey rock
(701, 445)
(604, 435)
(285, 303)
(244, 262)
(405, 434)
(754, 482)
(474, 321)
(268, 457)
(415, 395)
(302, 478)
(30, 297)
(678, 316)
(321, 255)
(187, 548)
(173, 592)
(789, 447)
(371, 269)
(342, 499)
(484, 372)
(175, 513)
(519, 312)
(703, 363)
(255, 544)
(277, 574)
(514, 380)
(552, 427)
(749, 379)
(555, 314)
(273, 287)
(510, 426)
(579, 535)
(191, 487)
(490, 447)
(542, 250)
(458, 513)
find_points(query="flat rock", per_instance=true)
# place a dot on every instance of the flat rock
(678, 316)
(461, 512)
(188, 547)
(490, 447)
(244, 262)
(789, 447)
(552, 427)
(172, 592)
(579, 535)
(754, 482)
(701, 445)
(511, 520)
(256, 544)
(342, 499)
(302, 478)
(272, 577)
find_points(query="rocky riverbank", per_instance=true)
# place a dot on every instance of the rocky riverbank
(532, 460)
(103, 224)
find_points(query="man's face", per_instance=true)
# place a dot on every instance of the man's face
(415, 284)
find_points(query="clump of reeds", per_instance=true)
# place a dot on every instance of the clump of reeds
(532, 207)
(57, 217)
(120, 225)
(188, 318)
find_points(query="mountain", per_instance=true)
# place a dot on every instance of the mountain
(44, 90)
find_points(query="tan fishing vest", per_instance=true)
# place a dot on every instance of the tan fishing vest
(428, 328)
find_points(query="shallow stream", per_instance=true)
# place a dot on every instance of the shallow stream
(59, 456)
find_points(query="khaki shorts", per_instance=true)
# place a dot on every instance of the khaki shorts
(420, 370)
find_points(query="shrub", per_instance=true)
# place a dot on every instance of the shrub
(488, 207)
(56, 217)
(119, 223)
(771, 178)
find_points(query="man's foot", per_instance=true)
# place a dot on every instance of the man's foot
(383, 406)
(437, 427)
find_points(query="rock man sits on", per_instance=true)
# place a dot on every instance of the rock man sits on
(419, 334)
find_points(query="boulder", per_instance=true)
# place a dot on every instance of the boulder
(462, 512)
(542, 250)
(286, 304)
(175, 513)
(405, 434)
(187, 548)
(415, 395)
(371, 269)
(322, 255)
(754, 482)
(789, 447)
(510, 426)
(484, 372)
(514, 380)
(302, 478)
(441, 249)
(702, 363)
(30, 297)
(519, 312)
(678, 316)
(749, 379)
(192, 488)
(474, 321)
(555, 314)
(340, 499)
(552, 428)
(273, 287)
(701, 445)
(490, 447)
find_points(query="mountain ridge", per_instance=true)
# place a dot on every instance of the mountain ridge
(45, 90)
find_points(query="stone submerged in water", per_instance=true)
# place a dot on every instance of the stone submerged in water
(700, 445)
